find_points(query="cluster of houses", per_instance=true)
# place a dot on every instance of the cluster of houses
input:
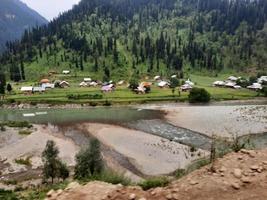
(259, 84)
(187, 86)
(105, 87)
(232, 82)
(44, 85)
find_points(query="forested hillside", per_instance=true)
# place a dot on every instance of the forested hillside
(15, 17)
(119, 38)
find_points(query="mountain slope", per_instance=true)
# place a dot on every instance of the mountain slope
(15, 17)
(122, 38)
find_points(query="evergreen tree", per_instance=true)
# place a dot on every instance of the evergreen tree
(89, 161)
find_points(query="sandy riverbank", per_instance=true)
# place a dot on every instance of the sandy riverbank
(32, 146)
(152, 155)
(223, 121)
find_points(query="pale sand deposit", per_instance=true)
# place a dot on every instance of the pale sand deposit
(151, 154)
(33, 145)
(223, 121)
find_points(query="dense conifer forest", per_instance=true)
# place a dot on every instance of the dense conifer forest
(122, 38)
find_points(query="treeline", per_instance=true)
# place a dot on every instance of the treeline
(162, 35)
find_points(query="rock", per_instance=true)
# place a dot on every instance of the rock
(192, 182)
(222, 169)
(246, 180)
(235, 186)
(152, 193)
(59, 192)
(238, 173)
(50, 193)
(175, 196)
(72, 185)
(254, 167)
(264, 162)
(142, 198)
(169, 196)
(132, 196)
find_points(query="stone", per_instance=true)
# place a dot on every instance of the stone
(50, 193)
(169, 196)
(142, 198)
(152, 193)
(237, 173)
(235, 186)
(59, 192)
(264, 162)
(254, 167)
(175, 196)
(222, 169)
(193, 182)
(72, 185)
(132, 196)
(246, 180)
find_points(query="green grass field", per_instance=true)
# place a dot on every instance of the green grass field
(122, 95)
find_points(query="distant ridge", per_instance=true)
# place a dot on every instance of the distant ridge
(15, 17)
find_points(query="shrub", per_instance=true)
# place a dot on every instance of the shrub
(199, 95)
(22, 161)
(17, 124)
(84, 96)
(112, 177)
(154, 182)
(133, 84)
(25, 132)
(8, 195)
(264, 91)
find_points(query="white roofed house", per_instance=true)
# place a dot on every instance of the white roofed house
(64, 84)
(230, 84)
(232, 78)
(186, 87)
(48, 86)
(162, 84)
(219, 83)
(38, 89)
(66, 72)
(189, 82)
(262, 80)
(156, 78)
(27, 89)
(255, 86)
(83, 84)
(87, 79)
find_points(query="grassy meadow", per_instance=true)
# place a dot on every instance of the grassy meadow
(123, 95)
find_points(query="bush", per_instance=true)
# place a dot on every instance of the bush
(264, 91)
(8, 195)
(199, 95)
(22, 161)
(133, 84)
(112, 177)
(16, 124)
(25, 132)
(154, 182)
(84, 96)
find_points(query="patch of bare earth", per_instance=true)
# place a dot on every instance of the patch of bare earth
(241, 176)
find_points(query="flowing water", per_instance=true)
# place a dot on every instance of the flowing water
(150, 121)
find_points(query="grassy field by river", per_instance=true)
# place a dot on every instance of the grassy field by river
(122, 95)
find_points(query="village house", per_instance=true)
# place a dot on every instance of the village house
(64, 84)
(26, 89)
(65, 72)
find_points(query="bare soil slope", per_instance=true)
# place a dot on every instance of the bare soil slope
(241, 176)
